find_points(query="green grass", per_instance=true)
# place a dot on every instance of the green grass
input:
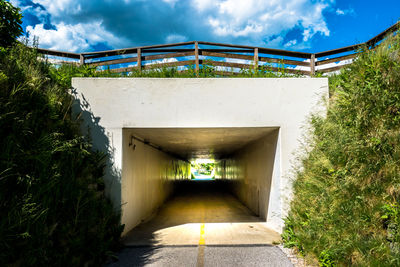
(346, 206)
(65, 72)
(52, 205)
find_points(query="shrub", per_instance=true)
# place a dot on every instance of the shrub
(10, 23)
(345, 209)
(52, 205)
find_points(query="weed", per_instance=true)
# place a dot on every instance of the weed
(345, 209)
(325, 259)
(52, 205)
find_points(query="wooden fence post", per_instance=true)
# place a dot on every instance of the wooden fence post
(196, 57)
(139, 59)
(312, 65)
(256, 59)
(81, 60)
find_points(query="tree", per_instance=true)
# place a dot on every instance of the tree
(10, 23)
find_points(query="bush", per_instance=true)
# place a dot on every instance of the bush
(10, 23)
(52, 205)
(346, 202)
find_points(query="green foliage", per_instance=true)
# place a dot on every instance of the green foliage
(289, 236)
(159, 72)
(391, 222)
(325, 259)
(346, 202)
(63, 73)
(52, 205)
(203, 168)
(206, 70)
(10, 23)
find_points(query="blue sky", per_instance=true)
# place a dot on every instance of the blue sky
(299, 25)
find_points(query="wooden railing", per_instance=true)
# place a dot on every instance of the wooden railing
(225, 58)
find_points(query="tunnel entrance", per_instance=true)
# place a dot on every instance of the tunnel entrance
(156, 169)
(151, 128)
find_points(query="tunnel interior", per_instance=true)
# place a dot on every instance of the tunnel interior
(156, 170)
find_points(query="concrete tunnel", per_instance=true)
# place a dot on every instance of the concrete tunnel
(156, 160)
(153, 127)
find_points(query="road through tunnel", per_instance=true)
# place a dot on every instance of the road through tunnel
(156, 169)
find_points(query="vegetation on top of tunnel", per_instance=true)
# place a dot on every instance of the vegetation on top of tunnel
(53, 211)
(207, 70)
(346, 205)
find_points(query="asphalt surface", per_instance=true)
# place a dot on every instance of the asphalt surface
(199, 256)
(202, 225)
(202, 213)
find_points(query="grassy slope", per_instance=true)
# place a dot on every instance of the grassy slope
(346, 207)
(52, 206)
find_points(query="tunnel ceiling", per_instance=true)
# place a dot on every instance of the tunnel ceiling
(191, 143)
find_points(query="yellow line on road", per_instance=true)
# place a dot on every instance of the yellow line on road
(200, 256)
(200, 253)
(201, 241)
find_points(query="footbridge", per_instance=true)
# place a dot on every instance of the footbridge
(152, 127)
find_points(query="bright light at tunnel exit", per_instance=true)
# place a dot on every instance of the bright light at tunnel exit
(202, 169)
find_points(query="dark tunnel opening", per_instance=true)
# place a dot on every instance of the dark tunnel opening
(244, 162)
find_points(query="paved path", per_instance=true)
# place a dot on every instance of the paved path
(212, 256)
(202, 226)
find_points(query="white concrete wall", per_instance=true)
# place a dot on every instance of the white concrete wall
(250, 172)
(147, 176)
(286, 103)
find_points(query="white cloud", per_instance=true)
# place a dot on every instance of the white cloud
(57, 7)
(202, 5)
(314, 22)
(239, 9)
(142, 22)
(275, 42)
(76, 37)
(16, 3)
(343, 12)
(339, 12)
(222, 29)
(335, 64)
(175, 38)
(302, 67)
(160, 61)
(256, 19)
(325, 66)
(290, 43)
(171, 2)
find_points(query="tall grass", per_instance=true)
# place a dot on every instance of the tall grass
(53, 211)
(206, 70)
(346, 206)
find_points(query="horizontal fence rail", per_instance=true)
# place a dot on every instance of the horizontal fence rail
(226, 59)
